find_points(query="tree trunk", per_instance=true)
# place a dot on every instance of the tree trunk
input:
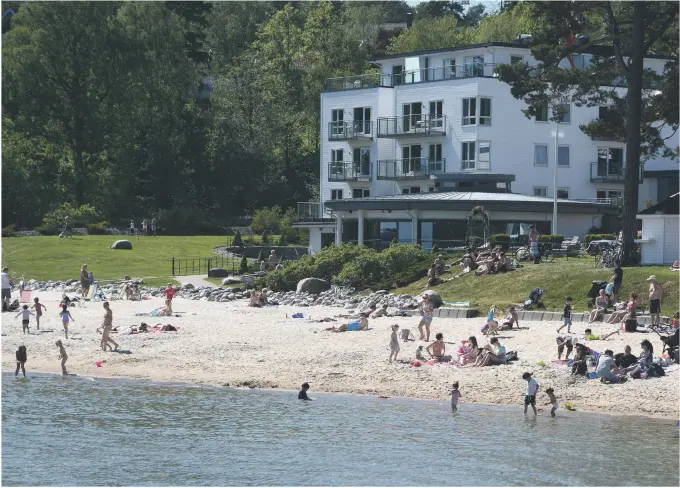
(633, 118)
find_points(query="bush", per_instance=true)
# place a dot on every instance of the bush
(283, 240)
(267, 220)
(554, 238)
(238, 241)
(243, 267)
(502, 240)
(100, 228)
(8, 231)
(265, 238)
(82, 215)
(435, 249)
(47, 230)
(598, 237)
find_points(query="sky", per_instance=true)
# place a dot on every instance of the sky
(489, 6)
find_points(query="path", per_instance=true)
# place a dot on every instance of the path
(196, 280)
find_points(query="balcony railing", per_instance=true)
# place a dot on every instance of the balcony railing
(412, 125)
(352, 130)
(426, 75)
(607, 172)
(354, 171)
(410, 168)
(312, 212)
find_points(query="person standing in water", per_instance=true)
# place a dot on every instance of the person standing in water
(25, 319)
(21, 360)
(108, 326)
(65, 317)
(553, 401)
(38, 310)
(531, 391)
(63, 356)
(303, 393)
(394, 343)
(455, 395)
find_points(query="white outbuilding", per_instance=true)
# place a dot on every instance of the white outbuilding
(661, 232)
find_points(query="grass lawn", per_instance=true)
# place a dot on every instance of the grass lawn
(558, 279)
(51, 258)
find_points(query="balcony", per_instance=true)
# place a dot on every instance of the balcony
(313, 213)
(350, 131)
(426, 75)
(412, 125)
(607, 172)
(410, 169)
(354, 171)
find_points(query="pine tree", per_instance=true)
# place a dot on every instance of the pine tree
(243, 268)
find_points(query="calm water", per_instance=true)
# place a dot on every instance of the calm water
(78, 431)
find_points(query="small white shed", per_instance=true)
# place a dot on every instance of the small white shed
(661, 232)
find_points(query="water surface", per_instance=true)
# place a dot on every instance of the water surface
(79, 431)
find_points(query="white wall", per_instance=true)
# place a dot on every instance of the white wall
(662, 232)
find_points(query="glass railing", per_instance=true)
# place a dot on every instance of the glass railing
(349, 171)
(312, 212)
(346, 131)
(415, 124)
(358, 82)
(607, 171)
(410, 168)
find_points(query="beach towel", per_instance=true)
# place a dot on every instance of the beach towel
(92, 292)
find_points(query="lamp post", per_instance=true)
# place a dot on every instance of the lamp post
(557, 138)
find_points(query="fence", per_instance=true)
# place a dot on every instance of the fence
(202, 266)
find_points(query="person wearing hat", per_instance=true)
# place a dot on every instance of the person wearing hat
(655, 295)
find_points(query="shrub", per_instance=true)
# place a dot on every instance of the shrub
(243, 267)
(435, 249)
(267, 220)
(598, 237)
(502, 240)
(100, 228)
(265, 237)
(8, 231)
(47, 230)
(283, 240)
(554, 238)
(238, 241)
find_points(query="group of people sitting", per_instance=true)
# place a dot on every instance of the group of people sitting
(603, 303)
(273, 263)
(258, 298)
(492, 326)
(492, 354)
(485, 262)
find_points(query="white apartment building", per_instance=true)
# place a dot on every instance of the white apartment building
(441, 122)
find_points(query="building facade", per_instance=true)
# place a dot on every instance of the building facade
(441, 121)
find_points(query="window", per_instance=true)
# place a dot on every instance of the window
(431, 189)
(606, 194)
(360, 193)
(540, 191)
(468, 156)
(484, 155)
(563, 113)
(412, 116)
(337, 161)
(469, 111)
(541, 155)
(449, 69)
(563, 193)
(336, 194)
(411, 159)
(484, 111)
(563, 155)
(542, 113)
(607, 114)
(397, 75)
(362, 161)
(362, 120)
(610, 162)
(435, 158)
(474, 66)
(337, 124)
(410, 190)
(516, 59)
(436, 114)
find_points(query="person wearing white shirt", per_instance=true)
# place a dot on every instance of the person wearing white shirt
(26, 315)
(6, 288)
(531, 391)
(493, 355)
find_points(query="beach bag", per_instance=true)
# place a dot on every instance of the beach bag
(406, 335)
(511, 356)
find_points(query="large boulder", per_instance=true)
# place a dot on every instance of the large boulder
(217, 273)
(122, 244)
(313, 286)
(434, 297)
(231, 280)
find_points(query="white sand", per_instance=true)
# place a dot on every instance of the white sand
(229, 343)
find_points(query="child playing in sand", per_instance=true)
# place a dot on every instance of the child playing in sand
(592, 337)
(25, 316)
(420, 356)
(65, 317)
(21, 360)
(566, 316)
(394, 343)
(530, 394)
(455, 395)
(63, 356)
(553, 401)
(38, 310)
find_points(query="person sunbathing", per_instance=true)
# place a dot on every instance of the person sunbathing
(362, 325)
(601, 304)
(437, 349)
(510, 320)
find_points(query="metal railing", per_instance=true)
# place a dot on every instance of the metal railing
(602, 172)
(354, 171)
(614, 201)
(351, 130)
(410, 168)
(412, 125)
(425, 75)
(312, 212)
(202, 266)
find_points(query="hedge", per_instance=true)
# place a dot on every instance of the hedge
(598, 237)
(554, 238)
(502, 240)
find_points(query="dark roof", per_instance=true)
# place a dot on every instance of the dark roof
(669, 206)
(595, 49)
(467, 200)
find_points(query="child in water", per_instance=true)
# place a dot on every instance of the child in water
(65, 316)
(394, 343)
(21, 360)
(26, 314)
(455, 395)
(63, 356)
(38, 310)
(553, 400)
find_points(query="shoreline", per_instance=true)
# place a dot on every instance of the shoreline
(343, 393)
(221, 344)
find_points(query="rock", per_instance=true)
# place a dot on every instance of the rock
(122, 244)
(217, 273)
(312, 285)
(230, 280)
(187, 286)
(381, 292)
(434, 296)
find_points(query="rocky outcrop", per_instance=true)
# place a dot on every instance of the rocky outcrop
(313, 286)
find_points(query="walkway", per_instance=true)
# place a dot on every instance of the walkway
(196, 280)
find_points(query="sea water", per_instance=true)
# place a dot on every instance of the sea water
(82, 431)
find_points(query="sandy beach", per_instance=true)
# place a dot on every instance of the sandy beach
(231, 344)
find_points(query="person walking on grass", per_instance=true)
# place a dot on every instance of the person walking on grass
(65, 318)
(63, 356)
(655, 296)
(21, 360)
(530, 393)
(39, 307)
(108, 326)
(394, 343)
(455, 395)
(26, 315)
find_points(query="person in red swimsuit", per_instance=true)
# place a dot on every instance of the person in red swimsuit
(169, 294)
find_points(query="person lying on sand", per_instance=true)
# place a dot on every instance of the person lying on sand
(437, 349)
(363, 325)
(592, 337)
